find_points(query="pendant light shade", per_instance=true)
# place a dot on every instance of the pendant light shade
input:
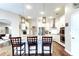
(44, 19)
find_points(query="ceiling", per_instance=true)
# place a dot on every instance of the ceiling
(13, 7)
(4, 23)
(48, 8)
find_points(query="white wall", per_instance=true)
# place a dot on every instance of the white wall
(75, 32)
(13, 19)
(68, 11)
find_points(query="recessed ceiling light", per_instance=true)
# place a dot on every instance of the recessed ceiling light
(23, 20)
(29, 7)
(50, 17)
(57, 9)
(28, 17)
(42, 12)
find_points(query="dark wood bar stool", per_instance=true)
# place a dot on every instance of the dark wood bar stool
(18, 47)
(46, 42)
(32, 42)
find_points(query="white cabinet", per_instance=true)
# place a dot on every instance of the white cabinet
(56, 38)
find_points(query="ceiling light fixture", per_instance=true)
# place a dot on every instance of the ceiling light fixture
(42, 12)
(28, 17)
(57, 9)
(29, 7)
(43, 9)
(50, 17)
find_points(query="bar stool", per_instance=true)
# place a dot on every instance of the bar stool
(18, 47)
(46, 42)
(32, 42)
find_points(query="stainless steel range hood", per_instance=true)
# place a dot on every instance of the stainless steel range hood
(54, 21)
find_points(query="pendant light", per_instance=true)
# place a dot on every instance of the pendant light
(43, 18)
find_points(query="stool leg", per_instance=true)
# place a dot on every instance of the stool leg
(36, 50)
(20, 50)
(24, 49)
(29, 50)
(50, 49)
(42, 50)
(17, 51)
(12, 51)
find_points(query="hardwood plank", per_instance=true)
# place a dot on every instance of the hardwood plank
(59, 50)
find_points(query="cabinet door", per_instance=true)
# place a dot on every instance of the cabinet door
(75, 33)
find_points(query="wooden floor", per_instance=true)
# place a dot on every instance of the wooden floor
(58, 50)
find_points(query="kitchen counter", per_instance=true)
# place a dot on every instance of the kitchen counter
(4, 43)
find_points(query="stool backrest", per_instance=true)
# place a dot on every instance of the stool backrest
(32, 39)
(46, 39)
(15, 40)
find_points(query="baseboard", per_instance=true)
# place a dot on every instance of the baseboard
(60, 43)
(65, 49)
(68, 52)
